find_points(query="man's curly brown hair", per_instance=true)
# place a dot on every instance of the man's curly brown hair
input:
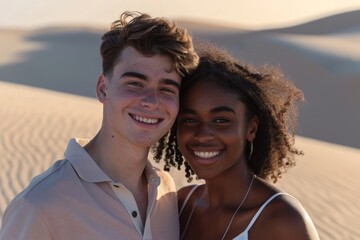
(266, 93)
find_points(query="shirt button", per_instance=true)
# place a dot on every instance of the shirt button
(134, 214)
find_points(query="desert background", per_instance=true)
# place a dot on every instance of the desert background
(49, 67)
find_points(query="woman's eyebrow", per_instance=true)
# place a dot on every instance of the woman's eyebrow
(222, 109)
(187, 110)
(214, 110)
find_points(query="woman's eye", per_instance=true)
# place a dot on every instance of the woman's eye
(221, 120)
(187, 120)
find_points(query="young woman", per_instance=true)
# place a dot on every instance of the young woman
(236, 129)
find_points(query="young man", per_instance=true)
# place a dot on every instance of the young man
(106, 188)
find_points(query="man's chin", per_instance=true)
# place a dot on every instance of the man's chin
(146, 142)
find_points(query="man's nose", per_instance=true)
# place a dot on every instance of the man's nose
(150, 99)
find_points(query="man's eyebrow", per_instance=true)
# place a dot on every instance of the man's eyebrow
(134, 74)
(143, 77)
(171, 82)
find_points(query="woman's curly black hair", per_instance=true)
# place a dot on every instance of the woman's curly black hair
(266, 93)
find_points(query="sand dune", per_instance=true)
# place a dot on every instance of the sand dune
(47, 83)
(54, 58)
(342, 22)
(35, 126)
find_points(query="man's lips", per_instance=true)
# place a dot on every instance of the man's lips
(146, 119)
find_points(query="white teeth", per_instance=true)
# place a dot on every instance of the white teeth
(146, 120)
(206, 154)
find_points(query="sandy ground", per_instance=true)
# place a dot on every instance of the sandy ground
(47, 82)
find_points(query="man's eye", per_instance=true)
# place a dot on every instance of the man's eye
(168, 90)
(135, 84)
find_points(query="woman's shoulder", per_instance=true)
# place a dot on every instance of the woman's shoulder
(285, 218)
(186, 193)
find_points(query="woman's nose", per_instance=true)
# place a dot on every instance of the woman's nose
(203, 133)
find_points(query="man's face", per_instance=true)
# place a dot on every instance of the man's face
(140, 97)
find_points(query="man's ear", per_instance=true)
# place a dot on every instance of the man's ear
(252, 128)
(101, 88)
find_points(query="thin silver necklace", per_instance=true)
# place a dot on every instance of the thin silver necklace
(238, 208)
(232, 218)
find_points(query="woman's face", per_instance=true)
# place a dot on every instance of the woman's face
(213, 130)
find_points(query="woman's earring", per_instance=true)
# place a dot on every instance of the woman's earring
(251, 149)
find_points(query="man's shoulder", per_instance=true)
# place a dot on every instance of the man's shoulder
(166, 180)
(44, 185)
(161, 173)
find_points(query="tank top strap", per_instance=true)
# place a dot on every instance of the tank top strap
(188, 197)
(262, 208)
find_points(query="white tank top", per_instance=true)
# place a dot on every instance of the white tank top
(244, 234)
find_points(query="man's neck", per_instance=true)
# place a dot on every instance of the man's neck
(124, 163)
(120, 160)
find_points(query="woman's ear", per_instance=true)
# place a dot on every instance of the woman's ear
(101, 88)
(252, 128)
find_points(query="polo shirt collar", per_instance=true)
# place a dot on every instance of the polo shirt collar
(151, 175)
(89, 171)
(84, 165)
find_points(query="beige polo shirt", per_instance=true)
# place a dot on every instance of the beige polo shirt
(75, 199)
